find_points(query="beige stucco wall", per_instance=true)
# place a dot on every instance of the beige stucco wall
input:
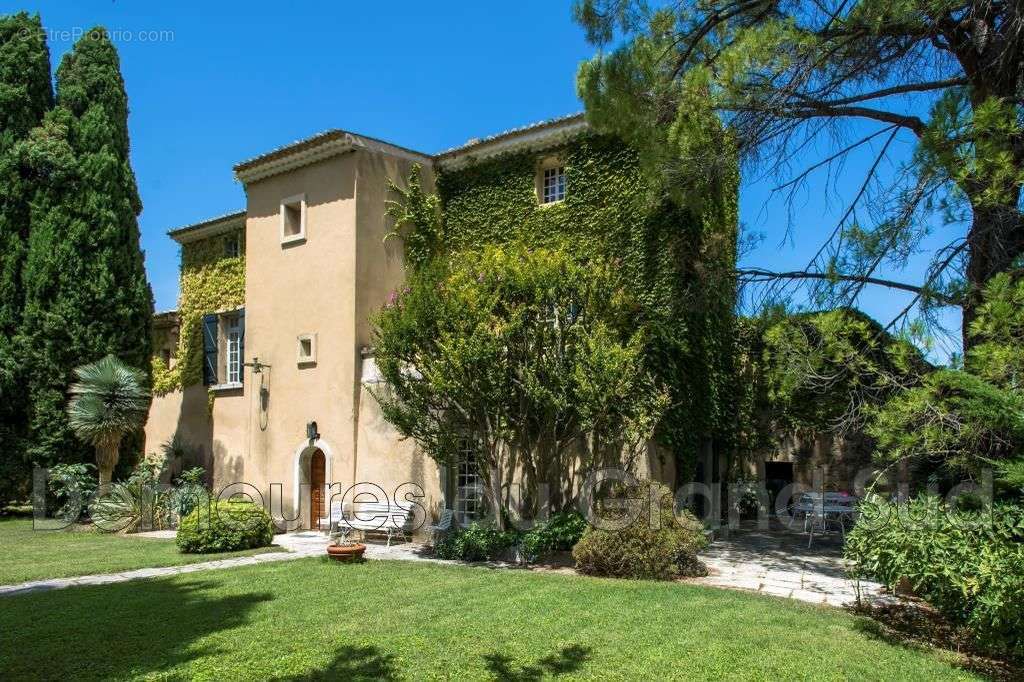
(329, 285)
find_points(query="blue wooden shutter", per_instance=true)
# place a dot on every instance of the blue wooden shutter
(209, 350)
(241, 345)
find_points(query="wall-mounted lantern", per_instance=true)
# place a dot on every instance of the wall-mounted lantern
(311, 433)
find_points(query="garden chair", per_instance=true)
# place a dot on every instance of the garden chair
(443, 525)
(832, 511)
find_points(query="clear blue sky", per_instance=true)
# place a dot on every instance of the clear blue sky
(214, 83)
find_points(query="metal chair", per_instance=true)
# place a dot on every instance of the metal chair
(443, 525)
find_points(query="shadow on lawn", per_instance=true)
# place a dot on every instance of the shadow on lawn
(568, 659)
(356, 663)
(119, 631)
(917, 626)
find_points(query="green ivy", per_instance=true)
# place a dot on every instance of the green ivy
(210, 281)
(677, 263)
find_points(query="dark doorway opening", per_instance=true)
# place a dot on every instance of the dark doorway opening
(777, 475)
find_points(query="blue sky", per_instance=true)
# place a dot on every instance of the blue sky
(214, 83)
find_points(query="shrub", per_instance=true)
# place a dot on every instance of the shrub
(478, 542)
(190, 492)
(559, 533)
(72, 484)
(132, 507)
(140, 503)
(968, 565)
(225, 526)
(644, 550)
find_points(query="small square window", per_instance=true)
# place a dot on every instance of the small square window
(306, 349)
(552, 185)
(293, 219)
(232, 249)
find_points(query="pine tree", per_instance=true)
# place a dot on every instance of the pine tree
(86, 289)
(26, 95)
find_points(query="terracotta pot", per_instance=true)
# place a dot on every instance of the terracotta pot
(346, 552)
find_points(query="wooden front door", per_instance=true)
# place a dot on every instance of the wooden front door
(317, 468)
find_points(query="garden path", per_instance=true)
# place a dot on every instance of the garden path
(777, 561)
(772, 562)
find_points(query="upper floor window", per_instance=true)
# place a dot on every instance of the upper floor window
(224, 349)
(552, 185)
(293, 219)
(232, 246)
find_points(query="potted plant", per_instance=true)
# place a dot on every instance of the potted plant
(343, 549)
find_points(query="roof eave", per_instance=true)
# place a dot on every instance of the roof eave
(535, 138)
(208, 228)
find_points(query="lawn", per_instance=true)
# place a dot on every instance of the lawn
(27, 554)
(313, 619)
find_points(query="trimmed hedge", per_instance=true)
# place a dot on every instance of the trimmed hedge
(968, 565)
(225, 526)
(645, 550)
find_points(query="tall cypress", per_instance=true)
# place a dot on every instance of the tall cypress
(26, 94)
(86, 288)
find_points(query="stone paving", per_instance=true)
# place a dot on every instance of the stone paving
(778, 562)
(774, 562)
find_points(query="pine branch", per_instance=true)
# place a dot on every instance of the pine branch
(761, 275)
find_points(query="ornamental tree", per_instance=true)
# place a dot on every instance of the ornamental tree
(108, 402)
(86, 289)
(692, 82)
(534, 357)
(25, 96)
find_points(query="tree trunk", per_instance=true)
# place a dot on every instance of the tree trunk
(994, 242)
(107, 454)
(106, 473)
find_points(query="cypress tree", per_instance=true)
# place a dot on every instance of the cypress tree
(86, 288)
(26, 95)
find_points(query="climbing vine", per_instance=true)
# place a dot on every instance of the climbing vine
(210, 281)
(677, 263)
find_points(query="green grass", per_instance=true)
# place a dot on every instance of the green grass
(313, 619)
(27, 554)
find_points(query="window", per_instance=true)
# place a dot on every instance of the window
(224, 349)
(469, 491)
(552, 185)
(234, 359)
(293, 219)
(232, 248)
(165, 356)
(306, 352)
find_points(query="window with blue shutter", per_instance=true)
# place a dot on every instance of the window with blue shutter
(210, 324)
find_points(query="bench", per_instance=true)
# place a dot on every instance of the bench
(369, 517)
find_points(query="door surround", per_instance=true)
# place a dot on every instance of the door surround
(303, 454)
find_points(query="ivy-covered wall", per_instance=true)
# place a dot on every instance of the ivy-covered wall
(210, 282)
(679, 264)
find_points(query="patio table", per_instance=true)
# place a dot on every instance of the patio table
(827, 509)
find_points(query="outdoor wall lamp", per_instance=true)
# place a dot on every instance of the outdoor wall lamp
(257, 366)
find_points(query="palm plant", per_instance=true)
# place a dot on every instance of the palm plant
(109, 401)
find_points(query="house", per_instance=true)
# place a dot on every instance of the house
(266, 368)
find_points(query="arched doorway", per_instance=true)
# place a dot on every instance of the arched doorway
(317, 482)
